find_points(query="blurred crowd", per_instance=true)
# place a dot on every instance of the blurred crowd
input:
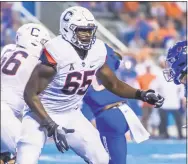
(11, 20)
(145, 27)
(152, 23)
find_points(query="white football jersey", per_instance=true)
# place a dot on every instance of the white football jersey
(16, 67)
(73, 76)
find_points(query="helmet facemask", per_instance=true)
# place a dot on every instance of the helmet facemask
(83, 36)
(175, 68)
(169, 74)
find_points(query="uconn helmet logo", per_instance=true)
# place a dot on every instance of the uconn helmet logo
(67, 16)
(35, 32)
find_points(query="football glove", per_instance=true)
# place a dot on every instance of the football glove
(150, 97)
(58, 133)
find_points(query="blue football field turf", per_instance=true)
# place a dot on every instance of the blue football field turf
(148, 152)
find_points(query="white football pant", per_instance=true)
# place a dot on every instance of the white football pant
(85, 141)
(10, 129)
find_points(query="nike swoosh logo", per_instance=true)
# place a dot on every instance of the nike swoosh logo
(91, 66)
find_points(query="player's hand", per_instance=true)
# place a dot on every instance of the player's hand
(58, 133)
(59, 138)
(152, 98)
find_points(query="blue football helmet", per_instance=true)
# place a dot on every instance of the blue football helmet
(176, 62)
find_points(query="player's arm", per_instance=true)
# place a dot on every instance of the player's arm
(116, 86)
(40, 78)
(112, 83)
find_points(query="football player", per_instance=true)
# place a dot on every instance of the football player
(57, 86)
(17, 63)
(176, 61)
(5, 155)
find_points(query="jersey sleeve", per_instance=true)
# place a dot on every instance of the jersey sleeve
(51, 54)
(112, 60)
(46, 58)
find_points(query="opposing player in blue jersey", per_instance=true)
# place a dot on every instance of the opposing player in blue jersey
(177, 65)
(109, 111)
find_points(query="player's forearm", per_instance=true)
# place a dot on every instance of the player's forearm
(35, 105)
(113, 84)
(123, 90)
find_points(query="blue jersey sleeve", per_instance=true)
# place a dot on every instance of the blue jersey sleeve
(113, 61)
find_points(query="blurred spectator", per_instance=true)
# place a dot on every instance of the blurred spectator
(183, 27)
(157, 37)
(144, 82)
(115, 7)
(143, 55)
(6, 17)
(157, 9)
(131, 7)
(94, 6)
(137, 42)
(172, 10)
(173, 95)
(3, 32)
(127, 33)
(154, 122)
(10, 22)
(143, 27)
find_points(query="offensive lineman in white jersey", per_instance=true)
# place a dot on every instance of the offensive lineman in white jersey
(57, 86)
(17, 64)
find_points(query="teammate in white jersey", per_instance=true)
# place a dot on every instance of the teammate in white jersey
(17, 64)
(4, 154)
(57, 86)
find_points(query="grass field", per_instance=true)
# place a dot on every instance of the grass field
(149, 152)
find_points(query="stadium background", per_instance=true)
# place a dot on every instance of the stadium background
(142, 32)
